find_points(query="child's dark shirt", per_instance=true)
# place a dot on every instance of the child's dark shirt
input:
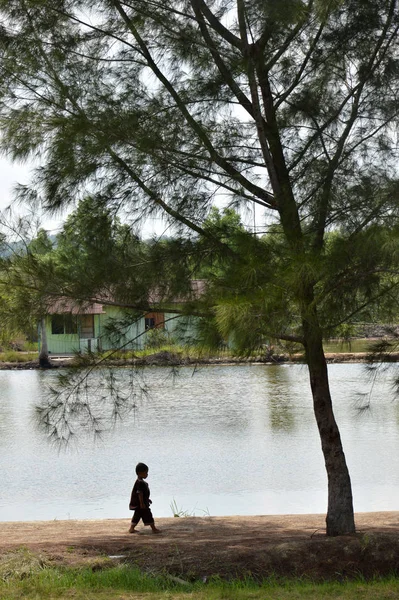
(142, 487)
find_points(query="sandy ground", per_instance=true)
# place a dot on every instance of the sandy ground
(199, 547)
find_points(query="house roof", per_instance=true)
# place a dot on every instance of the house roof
(64, 305)
(67, 305)
(197, 286)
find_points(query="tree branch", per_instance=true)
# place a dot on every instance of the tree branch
(334, 162)
(200, 5)
(302, 68)
(262, 126)
(195, 126)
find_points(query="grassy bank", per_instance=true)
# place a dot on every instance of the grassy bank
(195, 353)
(191, 352)
(25, 575)
(13, 356)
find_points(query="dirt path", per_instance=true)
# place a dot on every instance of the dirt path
(228, 546)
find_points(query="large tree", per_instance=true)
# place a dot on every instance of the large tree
(164, 106)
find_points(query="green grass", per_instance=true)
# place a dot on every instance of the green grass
(29, 346)
(336, 346)
(197, 353)
(192, 352)
(17, 357)
(356, 345)
(37, 580)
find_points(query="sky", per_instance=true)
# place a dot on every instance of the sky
(10, 175)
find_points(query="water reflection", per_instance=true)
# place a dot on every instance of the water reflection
(281, 409)
(235, 440)
(6, 425)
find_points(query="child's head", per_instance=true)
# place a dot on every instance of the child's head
(141, 470)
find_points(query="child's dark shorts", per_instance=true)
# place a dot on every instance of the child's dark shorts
(143, 513)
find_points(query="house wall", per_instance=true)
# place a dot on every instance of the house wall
(133, 337)
(130, 337)
(182, 329)
(62, 344)
(67, 343)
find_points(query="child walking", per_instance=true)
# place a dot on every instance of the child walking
(140, 501)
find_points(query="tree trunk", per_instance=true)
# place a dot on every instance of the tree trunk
(340, 516)
(44, 362)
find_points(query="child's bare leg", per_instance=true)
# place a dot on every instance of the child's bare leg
(155, 529)
(133, 528)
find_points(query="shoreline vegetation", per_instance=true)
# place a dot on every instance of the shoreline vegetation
(175, 356)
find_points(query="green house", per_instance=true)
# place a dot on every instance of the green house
(72, 328)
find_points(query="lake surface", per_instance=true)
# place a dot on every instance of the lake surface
(223, 440)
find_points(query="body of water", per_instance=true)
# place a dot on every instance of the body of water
(223, 440)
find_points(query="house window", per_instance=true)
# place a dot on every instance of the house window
(70, 324)
(63, 324)
(57, 325)
(149, 323)
(154, 320)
